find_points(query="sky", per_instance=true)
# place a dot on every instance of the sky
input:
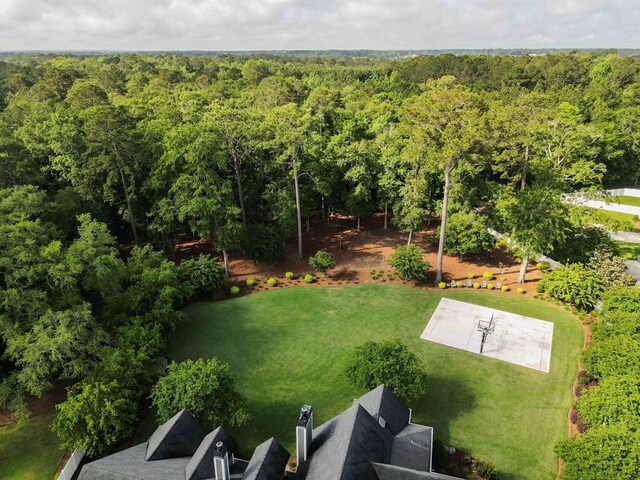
(316, 24)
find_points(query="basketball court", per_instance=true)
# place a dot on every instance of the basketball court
(508, 337)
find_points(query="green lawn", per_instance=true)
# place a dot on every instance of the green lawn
(29, 451)
(288, 346)
(630, 251)
(611, 220)
(625, 200)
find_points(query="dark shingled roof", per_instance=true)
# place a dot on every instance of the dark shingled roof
(201, 464)
(412, 448)
(393, 472)
(180, 436)
(344, 447)
(381, 402)
(268, 462)
(129, 464)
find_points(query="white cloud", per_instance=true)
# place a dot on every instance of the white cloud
(315, 24)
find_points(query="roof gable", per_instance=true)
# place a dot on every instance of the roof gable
(381, 402)
(201, 464)
(268, 462)
(180, 436)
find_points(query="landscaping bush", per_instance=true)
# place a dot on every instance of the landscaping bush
(476, 285)
(322, 261)
(487, 275)
(466, 234)
(543, 266)
(612, 356)
(504, 288)
(289, 275)
(409, 262)
(442, 285)
(615, 400)
(261, 243)
(580, 244)
(470, 275)
(491, 286)
(389, 362)
(204, 387)
(272, 282)
(573, 284)
(610, 268)
(200, 276)
(250, 282)
(308, 278)
(521, 290)
(624, 299)
(485, 470)
(234, 290)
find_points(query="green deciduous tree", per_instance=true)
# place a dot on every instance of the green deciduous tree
(389, 362)
(204, 387)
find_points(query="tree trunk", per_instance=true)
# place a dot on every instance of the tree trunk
(227, 268)
(386, 215)
(523, 268)
(322, 206)
(523, 179)
(298, 212)
(308, 221)
(443, 222)
(409, 239)
(236, 168)
(358, 227)
(125, 187)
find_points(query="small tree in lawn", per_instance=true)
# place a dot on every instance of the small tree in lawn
(409, 262)
(388, 362)
(204, 387)
(322, 261)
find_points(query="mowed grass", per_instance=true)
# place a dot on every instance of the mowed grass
(29, 451)
(626, 200)
(628, 250)
(289, 346)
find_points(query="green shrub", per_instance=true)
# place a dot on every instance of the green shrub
(611, 269)
(250, 282)
(622, 299)
(521, 290)
(322, 261)
(504, 288)
(580, 244)
(573, 284)
(442, 285)
(272, 282)
(470, 275)
(543, 266)
(261, 243)
(389, 362)
(491, 286)
(308, 278)
(199, 276)
(289, 275)
(234, 290)
(487, 275)
(409, 262)
(466, 234)
(485, 470)
(612, 356)
(476, 285)
(204, 387)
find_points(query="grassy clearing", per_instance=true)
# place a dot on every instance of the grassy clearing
(628, 250)
(29, 451)
(626, 200)
(288, 346)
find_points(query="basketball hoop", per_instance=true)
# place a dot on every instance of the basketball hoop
(486, 328)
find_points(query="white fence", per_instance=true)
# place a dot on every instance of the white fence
(627, 192)
(72, 465)
(540, 258)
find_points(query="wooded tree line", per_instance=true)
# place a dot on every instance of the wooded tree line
(124, 150)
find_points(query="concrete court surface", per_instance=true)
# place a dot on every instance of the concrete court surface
(516, 339)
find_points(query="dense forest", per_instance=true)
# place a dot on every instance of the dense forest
(109, 161)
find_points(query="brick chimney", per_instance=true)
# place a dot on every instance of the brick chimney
(304, 433)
